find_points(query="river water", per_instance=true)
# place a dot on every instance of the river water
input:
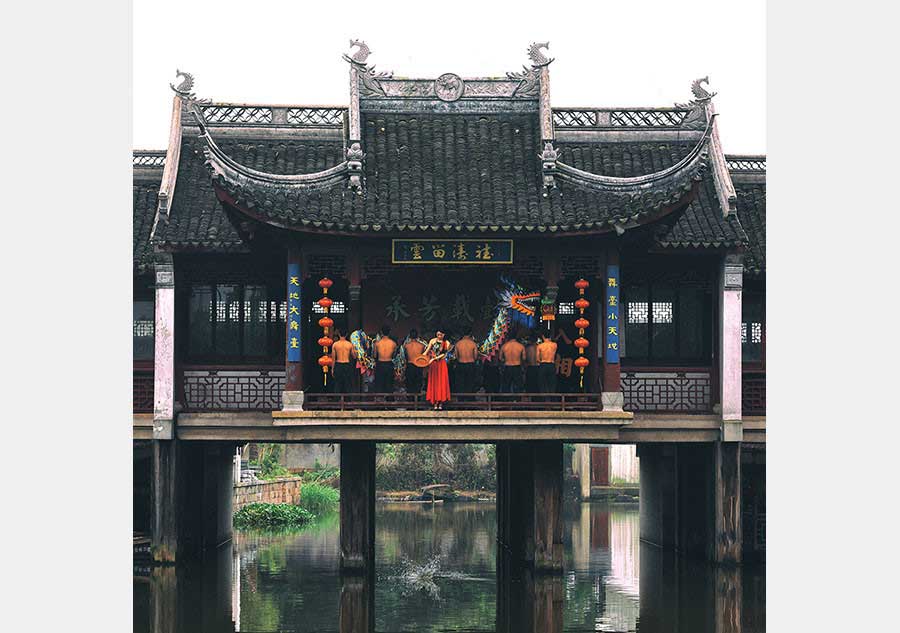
(436, 571)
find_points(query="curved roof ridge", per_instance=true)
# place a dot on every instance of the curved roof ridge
(619, 184)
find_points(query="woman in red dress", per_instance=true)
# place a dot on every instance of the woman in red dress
(438, 391)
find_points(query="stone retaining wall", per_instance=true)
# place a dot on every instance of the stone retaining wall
(281, 490)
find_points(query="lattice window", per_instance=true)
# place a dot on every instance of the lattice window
(575, 118)
(315, 116)
(756, 332)
(646, 118)
(743, 333)
(143, 328)
(663, 312)
(236, 114)
(638, 312)
(337, 307)
(566, 307)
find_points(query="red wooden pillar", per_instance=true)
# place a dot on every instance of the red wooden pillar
(292, 398)
(612, 397)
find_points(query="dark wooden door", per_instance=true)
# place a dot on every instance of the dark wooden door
(599, 465)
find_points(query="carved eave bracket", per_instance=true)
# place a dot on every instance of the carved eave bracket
(549, 159)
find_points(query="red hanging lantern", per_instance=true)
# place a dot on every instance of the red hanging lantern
(581, 323)
(582, 304)
(582, 284)
(581, 343)
(581, 362)
(325, 361)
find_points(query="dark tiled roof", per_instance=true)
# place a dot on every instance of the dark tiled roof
(701, 225)
(143, 211)
(198, 220)
(452, 172)
(751, 207)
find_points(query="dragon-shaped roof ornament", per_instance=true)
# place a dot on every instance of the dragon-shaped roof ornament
(696, 117)
(186, 87)
(538, 59)
(370, 78)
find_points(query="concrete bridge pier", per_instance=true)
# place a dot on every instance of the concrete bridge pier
(357, 611)
(691, 499)
(529, 505)
(357, 507)
(192, 498)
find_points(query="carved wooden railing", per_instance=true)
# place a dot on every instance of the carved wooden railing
(746, 163)
(593, 118)
(458, 402)
(661, 389)
(753, 392)
(248, 115)
(142, 390)
(233, 388)
(148, 158)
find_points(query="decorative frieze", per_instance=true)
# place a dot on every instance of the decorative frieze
(677, 390)
(226, 390)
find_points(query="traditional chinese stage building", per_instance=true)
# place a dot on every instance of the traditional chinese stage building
(453, 203)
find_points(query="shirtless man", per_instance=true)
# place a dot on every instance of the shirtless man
(344, 354)
(512, 355)
(413, 348)
(384, 365)
(531, 364)
(546, 355)
(466, 355)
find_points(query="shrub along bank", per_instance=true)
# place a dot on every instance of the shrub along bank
(316, 501)
(411, 466)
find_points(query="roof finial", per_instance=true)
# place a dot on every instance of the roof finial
(186, 87)
(537, 58)
(696, 117)
(362, 53)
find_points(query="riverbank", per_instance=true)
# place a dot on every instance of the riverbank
(405, 496)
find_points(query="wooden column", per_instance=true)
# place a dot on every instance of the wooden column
(728, 543)
(164, 350)
(357, 506)
(612, 397)
(730, 371)
(292, 398)
(354, 278)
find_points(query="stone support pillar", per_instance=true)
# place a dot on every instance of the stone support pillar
(612, 397)
(357, 610)
(192, 499)
(292, 398)
(357, 507)
(583, 455)
(164, 350)
(730, 286)
(728, 544)
(529, 505)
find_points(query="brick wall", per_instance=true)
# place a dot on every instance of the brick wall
(282, 490)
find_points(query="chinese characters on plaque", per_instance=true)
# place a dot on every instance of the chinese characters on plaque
(612, 314)
(293, 315)
(452, 251)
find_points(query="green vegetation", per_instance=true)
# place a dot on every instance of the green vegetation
(318, 499)
(272, 516)
(410, 466)
(269, 462)
(320, 473)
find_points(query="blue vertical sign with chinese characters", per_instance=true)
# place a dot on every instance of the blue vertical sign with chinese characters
(293, 313)
(612, 314)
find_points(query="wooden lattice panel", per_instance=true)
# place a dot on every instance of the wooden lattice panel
(142, 388)
(228, 390)
(311, 117)
(667, 391)
(753, 393)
